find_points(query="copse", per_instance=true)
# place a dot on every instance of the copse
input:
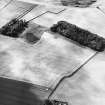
(81, 36)
(14, 28)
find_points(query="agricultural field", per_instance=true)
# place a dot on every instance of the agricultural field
(38, 46)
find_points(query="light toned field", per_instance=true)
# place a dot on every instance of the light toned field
(68, 3)
(43, 63)
(85, 87)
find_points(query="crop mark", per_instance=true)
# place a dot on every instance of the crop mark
(25, 12)
(45, 13)
(57, 12)
(37, 17)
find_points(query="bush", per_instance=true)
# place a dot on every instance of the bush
(31, 38)
(55, 102)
